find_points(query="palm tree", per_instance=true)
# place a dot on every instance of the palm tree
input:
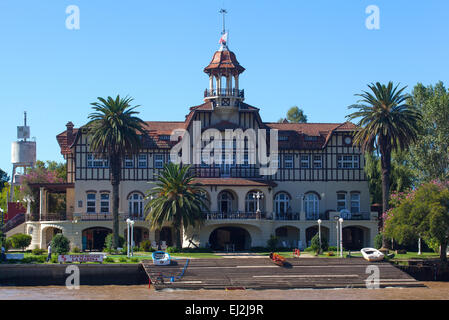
(114, 132)
(176, 198)
(387, 123)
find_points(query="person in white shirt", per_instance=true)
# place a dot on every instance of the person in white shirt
(49, 252)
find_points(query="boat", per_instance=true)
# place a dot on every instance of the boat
(161, 258)
(372, 254)
(277, 259)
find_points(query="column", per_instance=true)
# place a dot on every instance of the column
(41, 202)
(302, 237)
(211, 83)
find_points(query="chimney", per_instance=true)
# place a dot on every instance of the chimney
(69, 127)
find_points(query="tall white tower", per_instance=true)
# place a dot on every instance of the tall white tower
(23, 155)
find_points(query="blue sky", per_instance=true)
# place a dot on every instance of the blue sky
(314, 54)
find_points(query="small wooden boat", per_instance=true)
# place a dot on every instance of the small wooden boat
(277, 259)
(372, 254)
(161, 258)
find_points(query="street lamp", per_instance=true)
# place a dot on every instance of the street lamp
(1, 211)
(258, 195)
(130, 224)
(319, 232)
(341, 237)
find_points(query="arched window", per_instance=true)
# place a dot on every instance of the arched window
(282, 203)
(312, 206)
(225, 200)
(135, 205)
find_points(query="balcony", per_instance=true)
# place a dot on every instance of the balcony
(224, 92)
(289, 216)
(317, 215)
(109, 217)
(235, 216)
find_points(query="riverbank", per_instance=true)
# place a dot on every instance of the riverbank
(432, 291)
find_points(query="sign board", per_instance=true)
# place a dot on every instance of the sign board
(80, 258)
(14, 256)
(23, 132)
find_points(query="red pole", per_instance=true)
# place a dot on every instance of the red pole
(149, 283)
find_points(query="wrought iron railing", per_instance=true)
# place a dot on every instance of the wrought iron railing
(290, 216)
(225, 92)
(235, 215)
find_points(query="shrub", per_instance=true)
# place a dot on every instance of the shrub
(378, 241)
(109, 259)
(172, 250)
(315, 244)
(332, 248)
(330, 254)
(272, 243)
(134, 259)
(20, 241)
(146, 245)
(60, 244)
(76, 250)
(122, 259)
(54, 258)
(109, 242)
(38, 252)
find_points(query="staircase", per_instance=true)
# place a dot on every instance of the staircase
(14, 222)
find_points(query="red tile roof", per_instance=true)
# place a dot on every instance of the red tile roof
(224, 61)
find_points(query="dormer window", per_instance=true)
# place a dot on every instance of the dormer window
(310, 138)
(164, 137)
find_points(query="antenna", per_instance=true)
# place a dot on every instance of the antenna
(223, 12)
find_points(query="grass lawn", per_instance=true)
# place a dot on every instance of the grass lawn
(139, 256)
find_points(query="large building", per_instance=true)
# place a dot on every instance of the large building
(319, 176)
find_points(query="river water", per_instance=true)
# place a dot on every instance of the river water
(433, 290)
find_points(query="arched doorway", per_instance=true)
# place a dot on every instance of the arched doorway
(227, 203)
(288, 236)
(139, 234)
(354, 237)
(312, 231)
(223, 236)
(48, 234)
(165, 234)
(93, 238)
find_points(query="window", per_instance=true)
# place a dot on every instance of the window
(159, 161)
(310, 138)
(245, 160)
(282, 203)
(142, 160)
(135, 205)
(341, 201)
(312, 205)
(91, 200)
(305, 161)
(355, 202)
(129, 162)
(317, 162)
(348, 162)
(288, 161)
(93, 162)
(250, 203)
(164, 137)
(104, 203)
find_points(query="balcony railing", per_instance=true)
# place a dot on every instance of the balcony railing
(317, 215)
(235, 216)
(219, 171)
(59, 216)
(295, 216)
(224, 92)
(356, 216)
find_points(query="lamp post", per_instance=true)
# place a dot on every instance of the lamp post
(132, 238)
(319, 232)
(1, 211)
(128, 222)
(341, 237)
(419, 245)
(258, 195)
(336, 227)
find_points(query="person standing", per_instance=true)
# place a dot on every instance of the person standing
(3, 255)
(49, 252)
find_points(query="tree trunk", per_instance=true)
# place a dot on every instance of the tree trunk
(385, 162)
(115, 181)
(443, 255)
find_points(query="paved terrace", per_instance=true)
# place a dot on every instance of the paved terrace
(257, 273)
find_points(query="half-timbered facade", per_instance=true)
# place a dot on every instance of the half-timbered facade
(319, 176)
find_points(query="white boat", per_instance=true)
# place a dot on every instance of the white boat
(372, 254)
(161, 258)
